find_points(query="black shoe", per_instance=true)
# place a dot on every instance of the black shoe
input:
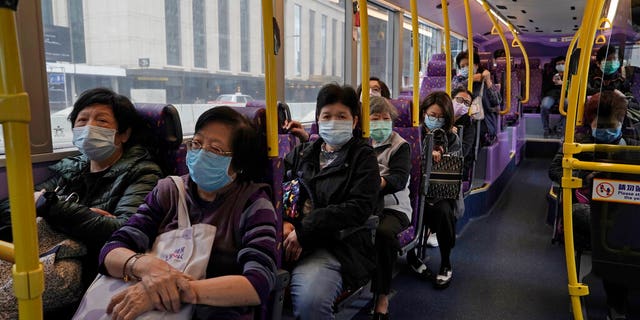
(419, 267)
(614, 315)
(547, 133)
(443, 279)
(380, 316)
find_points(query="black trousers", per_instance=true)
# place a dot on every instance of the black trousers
(440, 218)
(387, 246)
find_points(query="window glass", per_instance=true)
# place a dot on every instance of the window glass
(380, 45)
(427, 46)
(179, 53)
(307, 66)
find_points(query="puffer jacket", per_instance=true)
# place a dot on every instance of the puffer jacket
(119, 191)
(343, 195)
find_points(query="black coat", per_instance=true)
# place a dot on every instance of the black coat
(343, 194)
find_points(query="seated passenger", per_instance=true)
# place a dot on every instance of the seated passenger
(607, 75)
(440, 214)
(394, 162)
(489, 127)
(93, 194)
(603, 116)
(377, 88)
(339, 182)
(219, 191)
(462, 99)
(551, 87)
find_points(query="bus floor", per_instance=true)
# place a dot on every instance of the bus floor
(504, 265)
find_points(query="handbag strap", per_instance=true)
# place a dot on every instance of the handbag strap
(183, 212)
(481, 89)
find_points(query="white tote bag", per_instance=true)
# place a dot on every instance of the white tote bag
(476, 111)
(187, 249)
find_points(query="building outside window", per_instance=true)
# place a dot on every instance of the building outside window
(173, 37)
(199, 34)
(223, 35)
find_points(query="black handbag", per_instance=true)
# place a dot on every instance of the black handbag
(445, 180)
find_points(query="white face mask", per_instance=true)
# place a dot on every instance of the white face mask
(335, 132)
(96, 143)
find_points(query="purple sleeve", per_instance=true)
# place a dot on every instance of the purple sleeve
(258, 251)
(140, 231)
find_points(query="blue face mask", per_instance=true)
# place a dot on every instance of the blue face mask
(464, 71)
(380, 129)
(606, 135)
(433, 123)
(335, 132)
(208, 170)
(560, 67)
(610, 67)
(96, 143)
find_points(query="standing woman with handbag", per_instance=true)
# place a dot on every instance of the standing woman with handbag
(440, 214)
(219, 191)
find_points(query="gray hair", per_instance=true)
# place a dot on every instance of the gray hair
(382, 105)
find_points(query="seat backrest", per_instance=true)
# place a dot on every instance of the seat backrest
(163, 121)
(535, 88)
(615, 239)
(435, 79)
(439, 56)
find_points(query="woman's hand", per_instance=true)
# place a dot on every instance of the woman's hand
(161, 282)
(295, 128)
(287, 227)
(436, 154)
(486, 77)
(292, 248)
(130, 303)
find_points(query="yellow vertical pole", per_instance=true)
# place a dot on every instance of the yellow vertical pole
(270, 79)
(565, 74)
(507, 51)
(15, 117)
(364, 45)
(447, 43)
(416, 63)
(467, 13)
(592, 11)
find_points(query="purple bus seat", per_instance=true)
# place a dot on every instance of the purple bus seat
(439, 56)
(435, 79)
(535, 86)
(408, 238)
(163, 121)
(274, 168)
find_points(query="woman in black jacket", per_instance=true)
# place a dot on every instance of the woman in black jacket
(338, 179)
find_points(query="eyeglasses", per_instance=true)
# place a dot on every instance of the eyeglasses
(434, 118)
(463, 101)
(197, 145)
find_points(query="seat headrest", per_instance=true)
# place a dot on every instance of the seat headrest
(164, 122)
(284, 113)
(404, 112)
(439, 56)
(534, 63)
(437, 68)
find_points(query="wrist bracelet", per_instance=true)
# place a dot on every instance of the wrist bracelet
(127, 272)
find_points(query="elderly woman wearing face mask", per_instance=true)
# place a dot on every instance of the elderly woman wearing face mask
(219, 191)
(339, 183)
(462, 98)
(93, 194)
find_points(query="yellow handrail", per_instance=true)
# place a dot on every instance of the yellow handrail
(270, 79)
(467, 13)
(591, 14)
(15, 116)
(565, 73)
(447, 44)
(507, 51)
(364, 45)
(516, 43)
(415, 117)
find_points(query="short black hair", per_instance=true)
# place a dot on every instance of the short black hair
(459, 89)
(245, 143)
(442, 99)
(123, 110)
(384, 89)
(465, 55)
(605, 51)
(333, 93)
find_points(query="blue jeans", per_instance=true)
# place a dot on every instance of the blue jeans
(545, 107)
(316, 282)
